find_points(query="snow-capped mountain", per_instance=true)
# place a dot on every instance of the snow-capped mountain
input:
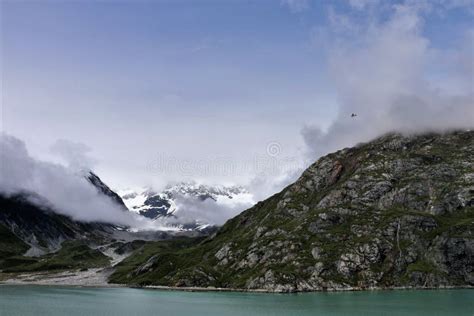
(188, 204)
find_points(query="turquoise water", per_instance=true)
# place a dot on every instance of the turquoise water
(52, 301)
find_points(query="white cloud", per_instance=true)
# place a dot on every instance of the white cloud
(383, 75)
(58, 187)
(190, 209)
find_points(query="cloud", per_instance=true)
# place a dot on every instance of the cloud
(263, 186)
(75, 154)
(191, 209)
(59, 188)
(384, 74)
(296, 6)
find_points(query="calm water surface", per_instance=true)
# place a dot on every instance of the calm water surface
(52, 301)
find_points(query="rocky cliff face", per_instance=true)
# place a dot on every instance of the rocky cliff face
(398, 211)
(42, 229)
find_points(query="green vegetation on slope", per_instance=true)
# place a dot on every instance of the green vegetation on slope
(10, 245)
(72, 255)
(160, 256)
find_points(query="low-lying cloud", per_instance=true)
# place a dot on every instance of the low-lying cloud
(60, 188)
(190, 209)
(389, 75)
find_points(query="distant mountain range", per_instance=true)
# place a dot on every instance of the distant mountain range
(172, 205)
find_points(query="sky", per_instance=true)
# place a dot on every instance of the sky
(231, 92)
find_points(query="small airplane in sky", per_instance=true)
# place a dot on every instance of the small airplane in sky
(353, 115)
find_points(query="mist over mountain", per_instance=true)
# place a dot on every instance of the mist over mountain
(80, 195)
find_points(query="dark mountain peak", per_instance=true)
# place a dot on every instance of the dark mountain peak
(104, 188)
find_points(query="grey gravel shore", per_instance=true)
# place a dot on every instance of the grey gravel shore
(89, 278)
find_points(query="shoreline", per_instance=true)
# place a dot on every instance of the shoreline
(73, 280)
(331, 290)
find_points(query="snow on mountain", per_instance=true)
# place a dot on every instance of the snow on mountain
(189, 205)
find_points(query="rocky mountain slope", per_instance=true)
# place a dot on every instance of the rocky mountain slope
(174, 202)
(397, 211)
(43, 229)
